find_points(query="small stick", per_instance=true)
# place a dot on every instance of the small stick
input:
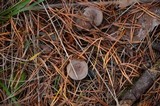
(143, 84)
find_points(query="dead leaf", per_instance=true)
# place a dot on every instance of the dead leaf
(148, 23)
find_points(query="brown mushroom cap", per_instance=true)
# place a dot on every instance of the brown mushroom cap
(94, 14)
(80, 70)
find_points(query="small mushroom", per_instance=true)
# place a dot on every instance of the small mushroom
(77, 69)
(93, 15)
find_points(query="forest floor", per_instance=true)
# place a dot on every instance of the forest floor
(39, 38)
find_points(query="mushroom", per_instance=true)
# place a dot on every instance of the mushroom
(77, 69)
(93, 15)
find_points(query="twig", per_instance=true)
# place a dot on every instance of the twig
(140, 87)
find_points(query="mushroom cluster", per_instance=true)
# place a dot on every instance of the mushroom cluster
(93, 16)
(77, 69)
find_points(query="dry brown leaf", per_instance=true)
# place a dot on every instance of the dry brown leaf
(148, 23)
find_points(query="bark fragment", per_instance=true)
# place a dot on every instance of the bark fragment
(140, 87)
